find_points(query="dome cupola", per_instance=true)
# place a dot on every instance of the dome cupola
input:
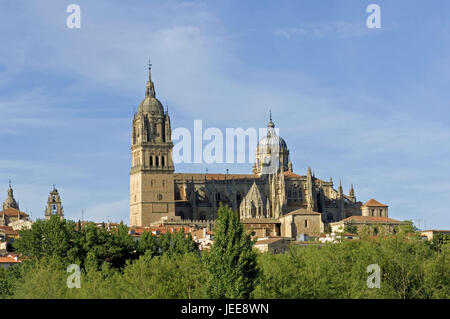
(272, 153)
(151, 105)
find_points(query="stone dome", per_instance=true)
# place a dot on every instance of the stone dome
(10, 202)
(151, 105)
(271, 141)
(271, 148)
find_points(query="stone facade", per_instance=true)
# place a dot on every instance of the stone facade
(301, 221)
(374, 208)
(372, 224)
(152, 191)
(157, 192)
(54, 205)
(10, 210)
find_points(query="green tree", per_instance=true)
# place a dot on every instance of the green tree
(102, 246)
(148, 243)
(52, 238)
(232, 262)
(167, 276)
(176, 243)
(43, 279)
(350, 227)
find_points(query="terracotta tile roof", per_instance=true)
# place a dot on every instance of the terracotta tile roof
(302, 211)
(12, 212)
(291, 174)
(373, 219)
(374, 203)
(199, 176)
(8, 230)
(9, 260)
(350, 234)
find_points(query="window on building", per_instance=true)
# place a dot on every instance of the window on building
(151, 160)
(306, 223)
(157, 160)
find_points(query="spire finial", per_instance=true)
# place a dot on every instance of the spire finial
(9, 183)
(150, 70)
(150, 89)
(270, 124)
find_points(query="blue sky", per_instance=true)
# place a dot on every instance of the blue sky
(368, 106)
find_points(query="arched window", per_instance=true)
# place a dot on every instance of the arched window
(151, 160)
(163, 160)
(306, 223)
(157, 160)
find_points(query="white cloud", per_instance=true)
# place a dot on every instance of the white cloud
(340, 29)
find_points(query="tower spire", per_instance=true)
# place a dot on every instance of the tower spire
(150, 88)
(10, 201)
(270, 124)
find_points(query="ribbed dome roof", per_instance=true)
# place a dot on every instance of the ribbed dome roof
(10, 202)
(271, 140)
(152, 106)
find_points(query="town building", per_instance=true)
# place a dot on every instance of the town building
(10, 210)
(371, 224)
(432, 233)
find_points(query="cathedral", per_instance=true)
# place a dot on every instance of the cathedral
(275, 202)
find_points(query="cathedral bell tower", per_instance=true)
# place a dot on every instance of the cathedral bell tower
(151, 177)
(54, 205)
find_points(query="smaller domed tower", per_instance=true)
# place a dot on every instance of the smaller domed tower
(10, 201)
(54, 205)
